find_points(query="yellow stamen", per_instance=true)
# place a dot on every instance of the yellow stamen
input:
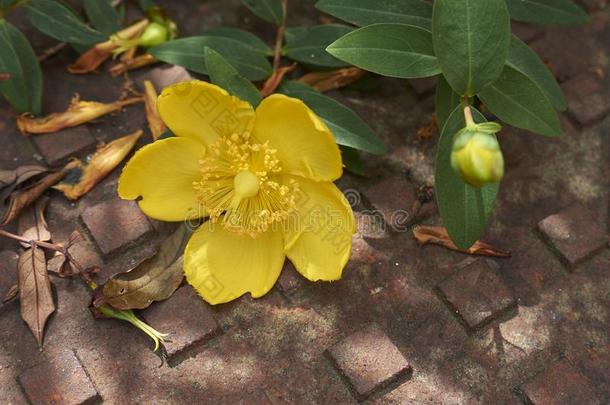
(242, 186)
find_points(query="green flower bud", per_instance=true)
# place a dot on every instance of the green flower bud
(476, 154)
(154, 34)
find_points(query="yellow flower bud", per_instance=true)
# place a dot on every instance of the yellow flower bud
(476, 154)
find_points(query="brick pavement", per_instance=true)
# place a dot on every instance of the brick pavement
(406, 325)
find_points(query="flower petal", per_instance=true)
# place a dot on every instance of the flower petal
(162, 173)
(203, 111)
(223, 265)
(305, 146)
(318, 241)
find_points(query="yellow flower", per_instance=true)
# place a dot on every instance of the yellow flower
(264, 179)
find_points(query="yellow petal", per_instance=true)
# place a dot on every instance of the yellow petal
(162, 173)
(305, 146)
(223, 265)
(318, 240)
(203, 111)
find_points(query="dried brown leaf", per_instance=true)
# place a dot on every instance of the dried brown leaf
(11, 293)
(32, 224)
(155, 279)
(275, 79)
(4, 76)
(155, 123)
(438, 236)
(79, 112)
(23, 197)
(135, 63)
(335, 79)
(105, 160)
(35, 295)
(94, 57)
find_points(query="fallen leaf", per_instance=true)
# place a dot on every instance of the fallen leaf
(4, 76)
(13, 179)
(32, 224)
(427, 131)
(103, 161)
(94, 57)
(77, 113)
(35, 297)
(335, 79)
(23, 197)
(275, 79)
(135, 63)
(155, 279)
(155, 123)
(438, 236)
(11, 293)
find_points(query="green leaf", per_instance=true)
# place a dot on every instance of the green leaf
(245, 37)
(464, 209)
(188, 52)
(347, 127)
(57, 21)
(103, 16)
(471, 39)
(367, 12)
(352, 160)
(308, 44)
(395, 50)
(522, 58)
(23, 90)
(563, 12)
(268, 10)
(517, 100)
(226, 76)
(445, 101)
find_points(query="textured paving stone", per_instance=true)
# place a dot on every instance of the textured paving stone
(423, 86)
(59, 380)
(477, 294)
(56, 148)
(164, 76)
(369, 361)
(393, 198)
(559, 384)
(588, 96)
(257, 398)
(104, 221)
(187, 318)
(573, 233)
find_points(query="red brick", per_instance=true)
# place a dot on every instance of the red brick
(187, 318)
(477, 295)
(369, 361)
(393, 198)
(290, 280)
(115, 224)
(573, 233)
(587, 96)
(56, 148)
(559, 384)
(59, 380)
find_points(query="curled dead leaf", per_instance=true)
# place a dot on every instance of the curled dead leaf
(32, 224)
(84, 176)
(12, 292)
(132, 64)
(77, 113)
(23, 197)
(94, 57)
(438, 235)
(155, 279)
(35, 297)
(335, 79)
(156, 125)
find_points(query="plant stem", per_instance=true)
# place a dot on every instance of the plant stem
(42, 244)
(467, 111)
(279, 39)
